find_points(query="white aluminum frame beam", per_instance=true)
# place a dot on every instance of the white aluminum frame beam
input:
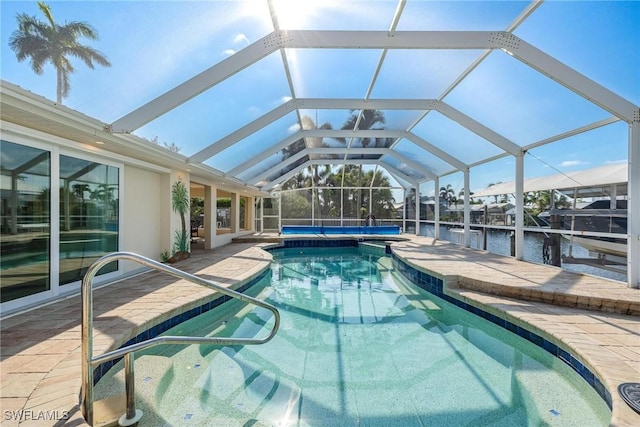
(345, 134)
(398, 178)
(389, 168)
(264, 175)
(436, 209)
(568, 77)
(477, 128)
(519, 195)
(280, 39)
(195, 85)
(320, 151)
(466, 211)
(330, 133)
(573, 132)
(327, 39)
(633, 208)
(378, 151)
(254, 160)
(420, 142)
(291, 173)
(243, 132)
(504, 40)
(355, 104)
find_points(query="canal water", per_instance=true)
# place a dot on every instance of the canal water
(498, 242)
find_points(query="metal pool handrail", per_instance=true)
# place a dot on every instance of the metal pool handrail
(89, 362)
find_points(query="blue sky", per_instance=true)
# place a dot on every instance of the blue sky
(155, 45)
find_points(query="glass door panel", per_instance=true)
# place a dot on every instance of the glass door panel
(25, 220)
(88, 216)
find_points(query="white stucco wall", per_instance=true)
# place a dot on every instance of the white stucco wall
(143, 214)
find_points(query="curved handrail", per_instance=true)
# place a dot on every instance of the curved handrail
(89, 362)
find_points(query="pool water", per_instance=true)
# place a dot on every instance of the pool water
(358, 346)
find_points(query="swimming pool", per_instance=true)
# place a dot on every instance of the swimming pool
(358, 345)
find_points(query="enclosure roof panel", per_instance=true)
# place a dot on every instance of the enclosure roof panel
(597, 180)
(421, 90)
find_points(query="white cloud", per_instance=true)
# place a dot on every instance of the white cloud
(294, 128)
(238, 39)
(569, 163)
(241, 39)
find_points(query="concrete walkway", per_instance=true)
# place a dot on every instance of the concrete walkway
(597, 319)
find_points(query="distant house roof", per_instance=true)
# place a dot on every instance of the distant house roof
(474, 208)
(588, 182)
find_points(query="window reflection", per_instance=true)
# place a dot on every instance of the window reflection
(245, 213)
(88, 216)
(25, 187)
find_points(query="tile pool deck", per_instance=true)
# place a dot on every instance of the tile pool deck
(595, 319)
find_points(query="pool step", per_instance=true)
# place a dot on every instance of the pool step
(107, 412)
(376, 247)
(153, 374)
(225, 389)
(384, 265)
(194, 391)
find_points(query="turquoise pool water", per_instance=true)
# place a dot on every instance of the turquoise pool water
(358, 346)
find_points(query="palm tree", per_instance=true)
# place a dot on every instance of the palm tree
(319, 176)
(543, 200)
(299, 180)
(366, 120)
(448, 194)
(303, 143)
(80, 189)
(44, 42)
(180, 203)
(369, 120)
(461, 196)
(382, 203)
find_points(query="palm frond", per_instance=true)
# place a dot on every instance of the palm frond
(43, 42)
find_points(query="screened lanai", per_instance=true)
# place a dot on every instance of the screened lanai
(415, 90)
(402, 97)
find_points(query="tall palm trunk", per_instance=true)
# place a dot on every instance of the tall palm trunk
(60, 80)
(316, 180)
(359, 195)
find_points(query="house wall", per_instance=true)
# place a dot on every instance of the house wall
(143, 216)
(143, 219)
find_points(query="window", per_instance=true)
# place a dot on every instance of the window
(25, 220)
(88, 216)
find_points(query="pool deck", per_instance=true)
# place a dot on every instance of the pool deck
(597, 320)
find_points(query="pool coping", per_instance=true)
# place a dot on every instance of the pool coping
(45, 374)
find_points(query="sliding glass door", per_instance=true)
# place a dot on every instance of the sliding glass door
(88, 216)
(41, 252)
(25, 221)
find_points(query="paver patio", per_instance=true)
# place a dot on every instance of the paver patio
(596, 319)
